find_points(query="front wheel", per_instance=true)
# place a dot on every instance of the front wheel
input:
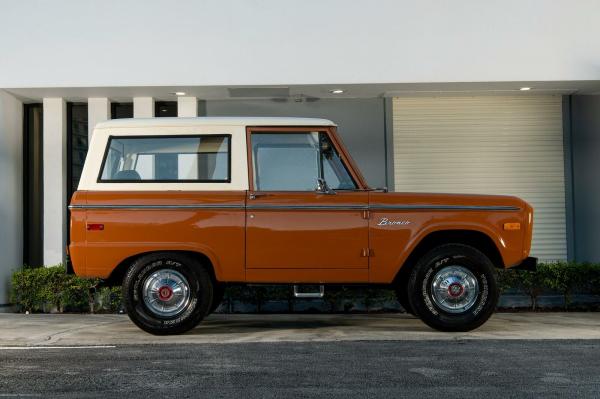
(453, 288)
(167, 293)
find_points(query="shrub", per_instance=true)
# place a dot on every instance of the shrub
(46, 289)
(26, 290)
(566, 278)
(109, 299)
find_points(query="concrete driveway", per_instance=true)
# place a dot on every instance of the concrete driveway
(69, 329)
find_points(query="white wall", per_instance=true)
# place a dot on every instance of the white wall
(251, 42)
(11, 186)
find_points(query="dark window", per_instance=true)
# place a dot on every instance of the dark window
(203, 158)
(77, 144)
(294, 162)
(121, 110)
(165, 108)
(33, 186)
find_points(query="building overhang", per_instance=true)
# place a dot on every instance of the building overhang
(309, 92)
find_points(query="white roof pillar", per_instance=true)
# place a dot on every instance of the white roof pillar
(143, 107)
(98, 111)
(187, 106)
(11, 194)
(55, 180)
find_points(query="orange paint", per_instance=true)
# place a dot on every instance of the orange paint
(357, 236)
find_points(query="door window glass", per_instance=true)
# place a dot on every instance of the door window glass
(167, 159)
(294, 162)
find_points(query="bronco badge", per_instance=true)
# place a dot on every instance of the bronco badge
(388, 222)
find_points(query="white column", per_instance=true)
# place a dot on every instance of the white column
(143, 107)
(55, 180)
(187, 106)
(11, 189)
(98, 111)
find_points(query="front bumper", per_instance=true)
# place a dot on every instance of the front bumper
(529, 264)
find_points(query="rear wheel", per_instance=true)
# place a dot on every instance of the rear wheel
(453, 288)
(167, 293)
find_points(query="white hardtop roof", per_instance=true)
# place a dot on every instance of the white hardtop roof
(212, 121)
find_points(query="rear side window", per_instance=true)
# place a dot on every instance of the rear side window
(202, 158)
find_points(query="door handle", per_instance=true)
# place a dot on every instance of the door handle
(256, 195)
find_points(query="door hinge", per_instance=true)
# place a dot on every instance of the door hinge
(366, 252)
(366, 214)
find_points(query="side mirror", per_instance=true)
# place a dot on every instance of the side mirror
(323, 187)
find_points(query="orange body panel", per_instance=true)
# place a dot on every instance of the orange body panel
(325, 237)
(216, 233)
(392, 244)
(359, 236)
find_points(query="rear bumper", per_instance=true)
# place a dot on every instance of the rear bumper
(529, 264)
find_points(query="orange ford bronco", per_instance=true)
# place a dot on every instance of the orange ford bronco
(174, 209)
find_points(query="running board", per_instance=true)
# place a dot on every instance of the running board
(301, 291)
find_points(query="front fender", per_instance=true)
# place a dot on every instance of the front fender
(393, 244)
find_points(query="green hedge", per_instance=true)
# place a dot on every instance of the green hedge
(565, 278)
(49, 289)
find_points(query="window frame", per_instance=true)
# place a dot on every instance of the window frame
(335, 142)
(164, 136)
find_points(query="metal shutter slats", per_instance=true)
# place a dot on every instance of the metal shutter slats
(510, 145)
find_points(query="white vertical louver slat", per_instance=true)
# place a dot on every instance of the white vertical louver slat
(510, 145)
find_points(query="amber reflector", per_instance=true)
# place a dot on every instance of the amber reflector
(512, 226)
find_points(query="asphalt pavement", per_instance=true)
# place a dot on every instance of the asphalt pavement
(352, 369)
(528, 355)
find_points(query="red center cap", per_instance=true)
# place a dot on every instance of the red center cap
(455, 289)
(165, 293)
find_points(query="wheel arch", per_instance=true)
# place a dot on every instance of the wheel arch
(116, 276)
(474, 238)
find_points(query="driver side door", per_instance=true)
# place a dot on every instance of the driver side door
(294, 232)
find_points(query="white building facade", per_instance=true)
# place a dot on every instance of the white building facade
(462, 96)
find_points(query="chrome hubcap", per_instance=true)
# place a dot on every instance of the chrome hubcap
(454, 289)
(166, 292)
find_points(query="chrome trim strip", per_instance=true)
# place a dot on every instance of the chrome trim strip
(305, 207)
(446, 207)
(308, 207)
(185, 206)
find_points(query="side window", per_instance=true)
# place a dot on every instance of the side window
(203, 158)
(294, 161)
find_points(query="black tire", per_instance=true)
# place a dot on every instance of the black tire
(199, 294)
(453, 259)
(402, 297)
(218, 294)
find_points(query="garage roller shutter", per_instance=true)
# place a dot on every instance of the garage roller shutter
(509, 145)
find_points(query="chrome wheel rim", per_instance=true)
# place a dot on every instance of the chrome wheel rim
(166, 292)
(454, 289)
